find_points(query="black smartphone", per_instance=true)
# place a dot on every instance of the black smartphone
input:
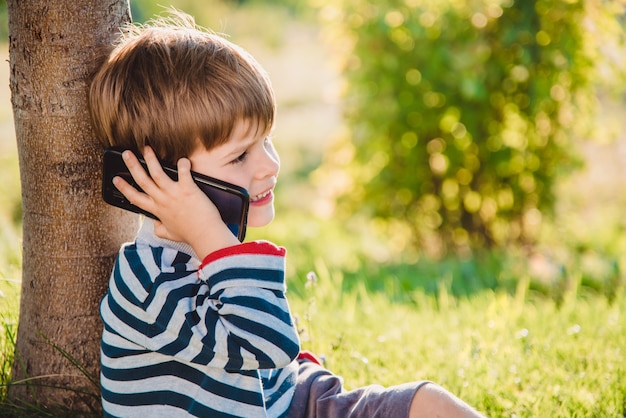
(231, 201)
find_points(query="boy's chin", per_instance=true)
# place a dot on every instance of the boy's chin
(261, 220)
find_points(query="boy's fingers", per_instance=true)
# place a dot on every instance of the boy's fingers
(143, 198)
(136, 170)
(154, 167)
(131, 194)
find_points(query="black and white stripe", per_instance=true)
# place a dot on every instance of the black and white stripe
(180, 340)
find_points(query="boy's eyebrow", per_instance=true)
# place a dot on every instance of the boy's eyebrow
(240, 147)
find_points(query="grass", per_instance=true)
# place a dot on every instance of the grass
(507, 354)
(514, 352)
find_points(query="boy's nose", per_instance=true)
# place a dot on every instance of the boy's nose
(270, 164)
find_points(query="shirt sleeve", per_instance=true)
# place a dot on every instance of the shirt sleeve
(230, 313)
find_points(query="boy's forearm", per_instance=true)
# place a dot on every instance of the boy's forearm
(248, 284)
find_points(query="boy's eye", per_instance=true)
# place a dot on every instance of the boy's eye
(240, 158)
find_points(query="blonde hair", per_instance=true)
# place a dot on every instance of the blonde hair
(175, 86)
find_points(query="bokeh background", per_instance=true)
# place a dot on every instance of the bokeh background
(329, 132)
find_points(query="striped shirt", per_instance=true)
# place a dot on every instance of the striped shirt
(189, 338)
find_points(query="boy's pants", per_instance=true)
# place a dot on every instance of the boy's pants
(320, 394)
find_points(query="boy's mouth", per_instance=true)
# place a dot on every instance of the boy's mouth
(261, 198)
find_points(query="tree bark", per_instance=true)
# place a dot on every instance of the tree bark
(70, 236)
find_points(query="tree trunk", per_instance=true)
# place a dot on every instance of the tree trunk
(70, 236)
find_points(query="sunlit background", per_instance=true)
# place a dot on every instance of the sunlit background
(310, 54)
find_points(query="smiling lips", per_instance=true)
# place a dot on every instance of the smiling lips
(262, 199)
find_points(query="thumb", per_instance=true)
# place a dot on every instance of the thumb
(184, 169)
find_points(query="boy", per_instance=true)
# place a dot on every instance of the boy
(195, 322)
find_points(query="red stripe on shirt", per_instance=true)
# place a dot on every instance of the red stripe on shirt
(253, 247)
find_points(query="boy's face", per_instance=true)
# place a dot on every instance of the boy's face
(248, 160)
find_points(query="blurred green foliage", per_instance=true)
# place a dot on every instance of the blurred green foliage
(462, 114)
(259, 20)
(210, 13)
(4, 22)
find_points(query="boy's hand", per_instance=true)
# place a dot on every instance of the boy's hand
(185, 213)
